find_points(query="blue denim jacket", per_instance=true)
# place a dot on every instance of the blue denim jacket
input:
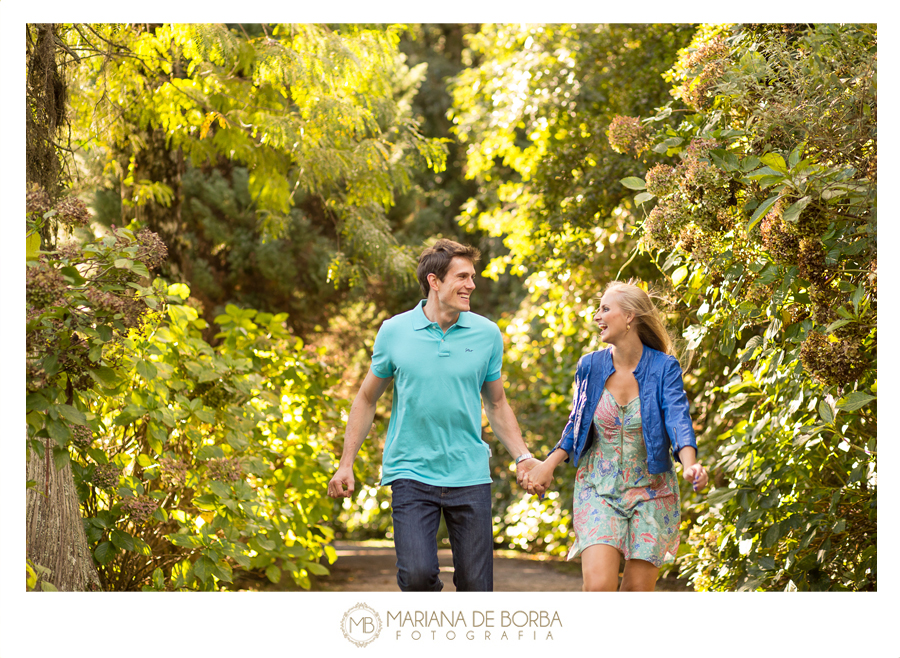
(664, 406)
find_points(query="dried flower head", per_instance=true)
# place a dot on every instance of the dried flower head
(661, 180)
(700, 245)
(704, 67)
(153, 252)
(44, 285)
(105, 476)
(174, 470)
(812, 222)
(37, 201)
(661, 226)
(127, 307)
(627, 135)
(700, 148)
(225, 469)
(82, 436)
(821, 298)
(811, 261)
(139, 508)
(705, 186)
(833, 362)
(72, 212)
(780, 242)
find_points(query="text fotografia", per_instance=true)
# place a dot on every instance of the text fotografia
(477, 625)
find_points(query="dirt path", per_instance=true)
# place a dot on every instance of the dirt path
(370, 567)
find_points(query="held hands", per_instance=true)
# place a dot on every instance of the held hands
(342, 477)
(538, 479)
(524, 467)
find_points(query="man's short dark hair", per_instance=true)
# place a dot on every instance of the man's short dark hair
(436, 260)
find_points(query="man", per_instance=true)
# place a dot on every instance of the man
(444, 360)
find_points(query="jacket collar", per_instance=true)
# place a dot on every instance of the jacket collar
(647, 354)
(420, 320)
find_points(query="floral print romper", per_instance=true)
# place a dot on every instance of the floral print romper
(617, 501)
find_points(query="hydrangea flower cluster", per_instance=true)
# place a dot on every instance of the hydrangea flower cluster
(705, 66)
(661, 225)
(45, 287)
(139, 508)
(701, 245)
(811, 261)
(153, 252)
(705, 188)
(627, 135)
(82, 436)
(174, 470)
(130, 307)
(37, 201)
(700, 148)
(833, 363)
(72, 212)
(105, 476)
(225, 469)
(780, 242)
(661, 180)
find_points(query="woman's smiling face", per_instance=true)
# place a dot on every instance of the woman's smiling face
(611, 318)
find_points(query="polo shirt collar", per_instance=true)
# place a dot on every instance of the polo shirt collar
(420, 321)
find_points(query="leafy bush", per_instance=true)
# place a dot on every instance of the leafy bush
(219, 455)
(766, 228)
(190, 460)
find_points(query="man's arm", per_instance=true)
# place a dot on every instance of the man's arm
(503, 422)
(362, 413)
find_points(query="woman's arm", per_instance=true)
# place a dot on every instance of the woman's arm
(676, 409)
(692, 470)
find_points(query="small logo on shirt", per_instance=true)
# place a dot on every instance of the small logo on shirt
(468, 350)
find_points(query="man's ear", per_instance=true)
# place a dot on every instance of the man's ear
(433, 281)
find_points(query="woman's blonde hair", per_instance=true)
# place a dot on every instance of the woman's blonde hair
(647, 318)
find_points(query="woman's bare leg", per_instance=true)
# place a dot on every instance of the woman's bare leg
(600, 568)
(639, 576)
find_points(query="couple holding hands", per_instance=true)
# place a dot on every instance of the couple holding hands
(628, 424)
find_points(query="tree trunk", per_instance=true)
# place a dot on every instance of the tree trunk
(54, 529)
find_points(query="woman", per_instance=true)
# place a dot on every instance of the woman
(630, 412)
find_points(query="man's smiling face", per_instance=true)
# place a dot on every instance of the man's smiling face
(459, 282)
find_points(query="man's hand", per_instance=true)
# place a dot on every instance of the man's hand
(524, 467)
(343, 477)
(538, 480)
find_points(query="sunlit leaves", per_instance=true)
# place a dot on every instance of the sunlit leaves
(305, 108)
(221, 454)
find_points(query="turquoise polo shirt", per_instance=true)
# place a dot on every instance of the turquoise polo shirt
(434, 435)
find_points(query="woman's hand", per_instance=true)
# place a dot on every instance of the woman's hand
(696, 475)
(538, 479)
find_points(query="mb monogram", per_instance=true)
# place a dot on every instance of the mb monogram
(361, 624)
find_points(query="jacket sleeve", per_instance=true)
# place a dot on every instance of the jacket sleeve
(675, 408)
(567, 441)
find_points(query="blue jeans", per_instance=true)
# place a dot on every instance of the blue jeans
(416, 511)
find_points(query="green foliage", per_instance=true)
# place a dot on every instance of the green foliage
(209, 460)
(191, 460)
(766, 228)
(80, 301)
(308, 111)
